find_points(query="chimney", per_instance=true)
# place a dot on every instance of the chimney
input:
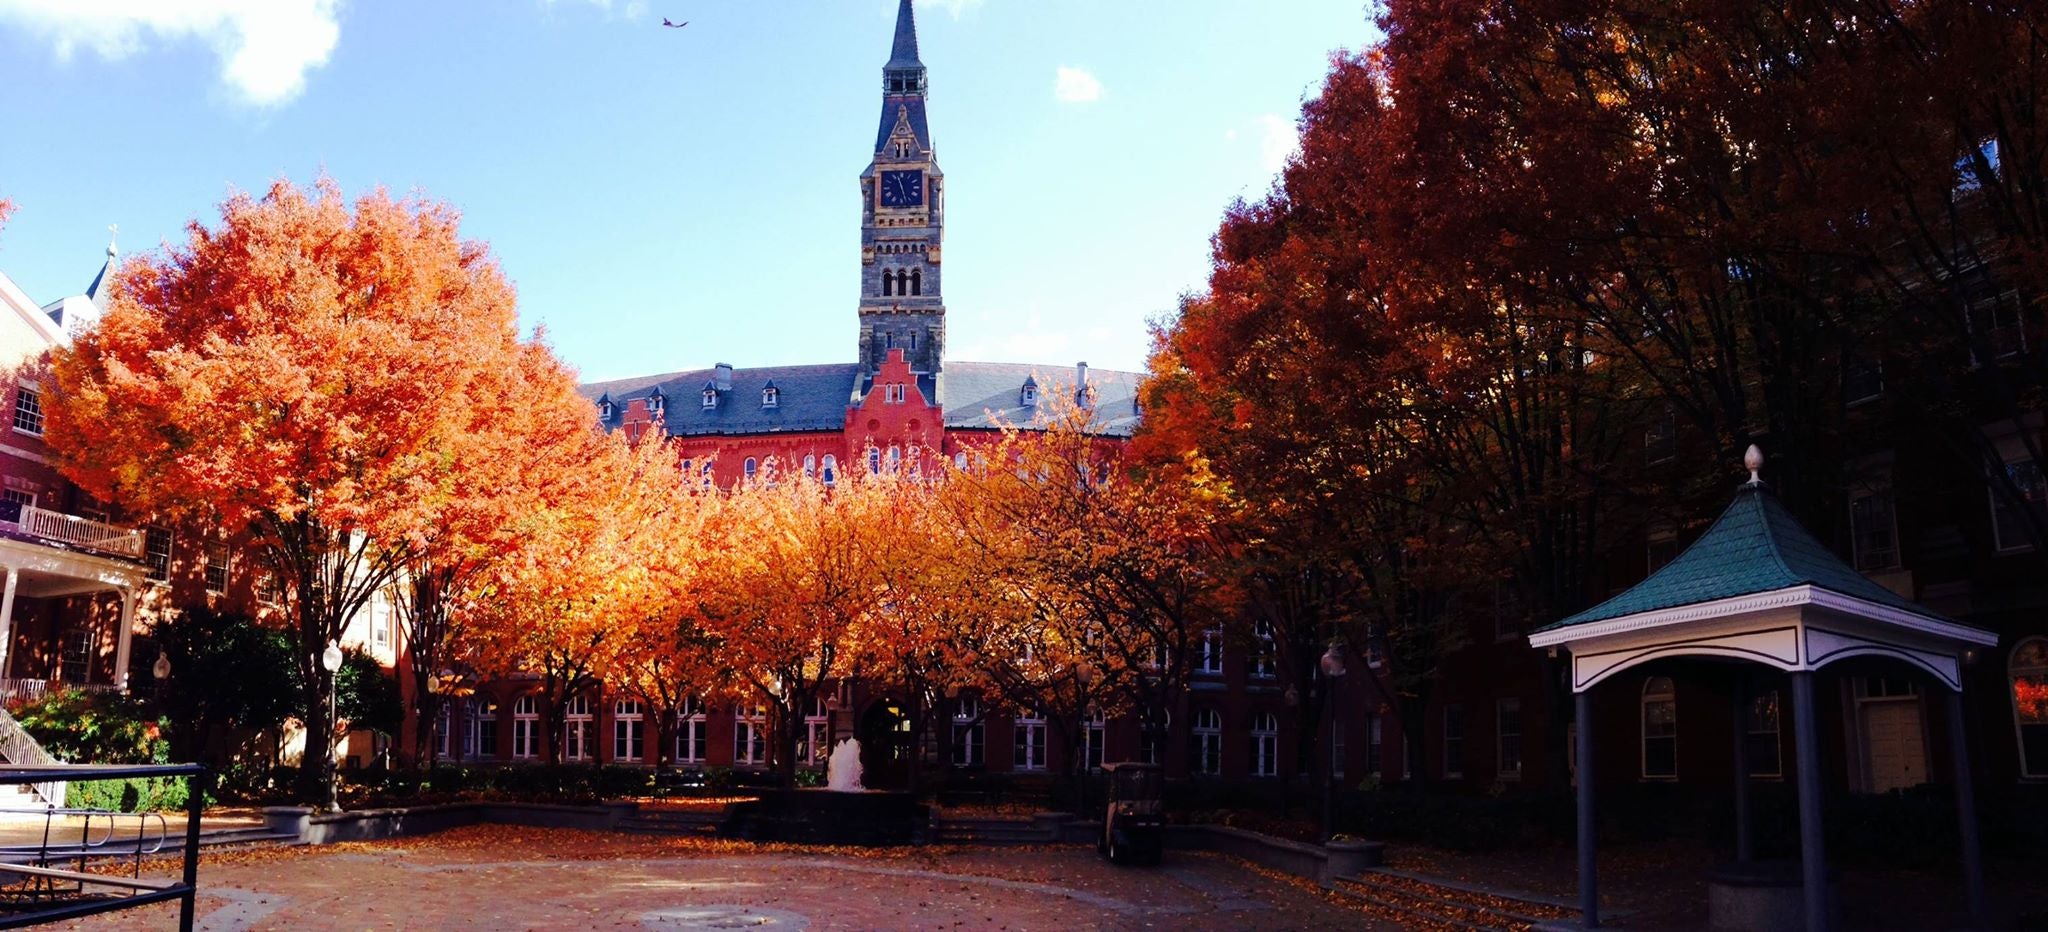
(1081, 393)
(721, 376)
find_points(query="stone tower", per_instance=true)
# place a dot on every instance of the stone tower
(903, 221)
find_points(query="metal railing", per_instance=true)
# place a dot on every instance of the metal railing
(20, 750)
(73, 530)
(44, 893)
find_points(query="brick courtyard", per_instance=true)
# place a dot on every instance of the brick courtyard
(502, 877)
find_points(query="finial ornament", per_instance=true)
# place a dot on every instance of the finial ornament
(1753, 460)
(113, 234)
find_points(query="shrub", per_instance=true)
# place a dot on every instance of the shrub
(95, 727)
(135, 794)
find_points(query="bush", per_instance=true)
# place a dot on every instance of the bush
(95, 727)
(135, 794)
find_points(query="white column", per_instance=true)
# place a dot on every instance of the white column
(127, 633)
(7, 621)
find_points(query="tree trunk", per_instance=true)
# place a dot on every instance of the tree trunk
(316, 765)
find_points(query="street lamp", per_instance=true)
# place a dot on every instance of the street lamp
(1333, 670)
(161, 670)
(330, 660)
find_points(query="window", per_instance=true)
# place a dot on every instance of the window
(690, 732)
(1030, 739)
(1265, 745)
(829, 471)
(1660, 545)
(1152, 738)
(604, 410)
(817, 738)
(12, 501)
(444, 728)
(2029, 672)
(960, 461)
(1874, 533)
(481, 737)
(967, 733)
(893, 393)
(1454, 741)
(750, 737)
(749, 467)
(874, 461)
(380, 620)
(655, 402)
(1374, 748)
(1208, 742)
(1761, 747)
(577, 729)
(1507, 735)
(2009, 517)
(1094, 730)
(76, 658)
(1660, 439)
(156, 550)
(268, 590)
(888, 280)
(1263, 651)
(628, 720)
(525, 728)
(1209, 655)
(1029, 396)
(1862, 379)
(894, 461)
(916, 281)
(216, 567)
(771, 397)
(710, 398)
(28, 410)
(1660, 729)
(810, 466)
(1997, 325)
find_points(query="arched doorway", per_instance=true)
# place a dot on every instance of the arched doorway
(885, 746)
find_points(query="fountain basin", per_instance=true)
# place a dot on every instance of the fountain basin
(868, 818)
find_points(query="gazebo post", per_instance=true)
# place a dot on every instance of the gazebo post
(1966, 809)
(1589, 893)
(1813, 860)
(1744, 849)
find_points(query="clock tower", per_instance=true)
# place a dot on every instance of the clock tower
(903, 221)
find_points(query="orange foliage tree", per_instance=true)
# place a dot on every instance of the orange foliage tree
(297, 373)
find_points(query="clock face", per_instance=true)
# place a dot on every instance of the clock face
(902, 189)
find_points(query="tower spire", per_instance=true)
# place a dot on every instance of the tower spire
(904, 53)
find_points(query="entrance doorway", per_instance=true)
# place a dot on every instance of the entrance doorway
(1893, 732)
(884, 746)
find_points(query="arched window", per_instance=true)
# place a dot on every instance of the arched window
(1029, 733)
(1660, 729)
(810, 466)
(1208, 742)
(2030, 704)
(627, 719)
(750, 466)
(1095, 729)
(895, 460)
(874, 461)
(828, 471)
(1265, 745)
(888, 283)
(916, 281)
(525, 727)
(481, 738)
(902, 282)
(576, 730)
(960, 461)
(690, 732)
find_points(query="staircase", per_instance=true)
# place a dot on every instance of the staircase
(674, 822)
(18, 747)
(1410, 897)
(997, 832)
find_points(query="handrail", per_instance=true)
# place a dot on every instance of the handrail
(75, 530)
(23, 753)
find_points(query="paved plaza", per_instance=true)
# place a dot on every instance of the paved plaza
(503, 877)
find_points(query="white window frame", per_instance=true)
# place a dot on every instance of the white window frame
(692, 732)
(1503, 711)
(771, 398)
(750, 736)
(1775, 728)
(150, 557)
(79, 645)
(28, 408)
(526, 736)
(1208, 733)
(1651, 696)
(223, 567)
(817, 738)
(1209, 657)
(1094, 729)
(629, 724)
(749, 467)
(1265, 660)
(969, 733)
(480, 729)
(2035, 670)
(1028, 731)
(828, 470)
(578, 729)
(1265, 745)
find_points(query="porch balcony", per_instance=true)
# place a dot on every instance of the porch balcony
(16, 690)
(70, 531)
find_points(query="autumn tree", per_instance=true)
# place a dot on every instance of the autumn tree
(293, 373)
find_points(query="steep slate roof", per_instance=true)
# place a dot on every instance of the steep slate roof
(1755, 546)
(815, 398)
(903, 54)
(807, 398)
(985, 394)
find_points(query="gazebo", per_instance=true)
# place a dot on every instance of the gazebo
(1757, 587)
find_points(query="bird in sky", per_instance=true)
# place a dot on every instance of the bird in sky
(665, 22)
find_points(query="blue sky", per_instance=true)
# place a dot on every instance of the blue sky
(670, 198)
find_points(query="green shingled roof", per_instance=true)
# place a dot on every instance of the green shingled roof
(1755, 546)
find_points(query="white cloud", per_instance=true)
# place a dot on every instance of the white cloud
(265, 47)
(1075, 86)
(1279, 140)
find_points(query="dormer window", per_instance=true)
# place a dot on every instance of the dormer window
(604, 408)
(710, 398)
(771, 397)
(1029, 396)
(655, 403)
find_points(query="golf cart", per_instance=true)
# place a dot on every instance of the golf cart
(1133, 825)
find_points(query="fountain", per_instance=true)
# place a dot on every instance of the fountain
(841, 813)
(842, 769)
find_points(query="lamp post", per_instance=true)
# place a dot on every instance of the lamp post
(1333, 670)
(330, 660)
